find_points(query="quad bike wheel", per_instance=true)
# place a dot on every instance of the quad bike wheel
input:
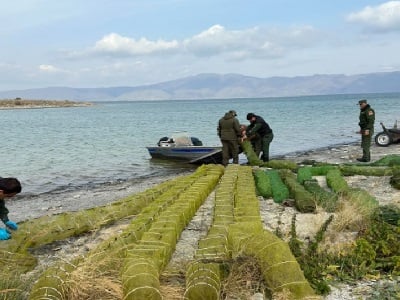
(382, 139)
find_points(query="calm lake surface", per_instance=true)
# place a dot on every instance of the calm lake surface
(68, 148)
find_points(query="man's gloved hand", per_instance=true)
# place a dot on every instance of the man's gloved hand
(4, 235)
(12, 225)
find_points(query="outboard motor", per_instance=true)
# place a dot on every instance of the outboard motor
(163, 140)
(196, 141)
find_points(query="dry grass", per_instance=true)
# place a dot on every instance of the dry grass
(96, 281)
(244, 280)
(172, 292)
(351, 217)
(105, 288)
(172, 282)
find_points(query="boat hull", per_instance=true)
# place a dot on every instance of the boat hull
(186, 153)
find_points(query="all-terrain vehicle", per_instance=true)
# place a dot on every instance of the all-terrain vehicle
(388, 136)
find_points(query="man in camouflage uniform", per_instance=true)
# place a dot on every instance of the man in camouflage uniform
(367, 120)
(229, 134)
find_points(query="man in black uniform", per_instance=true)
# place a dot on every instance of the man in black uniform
(261, 129)
(367, 120)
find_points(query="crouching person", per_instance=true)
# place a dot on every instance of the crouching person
(9, 187)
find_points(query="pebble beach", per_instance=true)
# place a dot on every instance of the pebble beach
(273, 215)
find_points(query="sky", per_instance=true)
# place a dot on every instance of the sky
(106, 43)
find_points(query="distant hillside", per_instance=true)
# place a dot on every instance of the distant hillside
(215, 86)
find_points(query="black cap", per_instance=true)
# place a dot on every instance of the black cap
(250, 116)
(362, 101)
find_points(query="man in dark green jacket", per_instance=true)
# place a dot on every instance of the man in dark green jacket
(229, 133)
(367, 120)
(9, 187)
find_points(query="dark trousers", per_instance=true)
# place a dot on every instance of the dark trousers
(230, 149)
(265, 141)
(366, 146)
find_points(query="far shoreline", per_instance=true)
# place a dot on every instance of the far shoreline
(18, 103)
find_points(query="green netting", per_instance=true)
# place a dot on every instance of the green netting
(48, 229)
(395, 179)
(247, 237)
(218, 229)
(248, 219)
(203, 278)
(203, 281)
(246, 202)
(281, 164)
(328, 200)
(304, 174)
(388, 160)
(251, 155)
(389, 214)
(168, 235)
(157, 245)
(222, 210)
(247, 211)
(304, 200)
(349, 170)
(20, 262)
(263, 184)
(363, 199)
(217, 253)
(140, 279)
(279, 267)
(240, 232)
(223, 219)
(154, 245)
(158, 252)
(211, 250)
(336, 182)
(280, 191)
(52, 284)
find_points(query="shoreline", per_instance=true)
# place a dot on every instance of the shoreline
(25, 207)
(294, 154)
(342, 153)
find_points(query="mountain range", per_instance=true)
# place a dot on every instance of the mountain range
(222, 86)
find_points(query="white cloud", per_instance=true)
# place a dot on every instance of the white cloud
(385, 17)
(49, 69)
(249, 43)
(114, 43)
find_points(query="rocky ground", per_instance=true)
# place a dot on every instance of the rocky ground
(274, 215)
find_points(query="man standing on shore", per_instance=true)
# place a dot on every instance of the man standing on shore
(367, 120)
(229, 134)
(260, 128)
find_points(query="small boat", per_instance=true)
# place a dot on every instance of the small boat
(181, 146)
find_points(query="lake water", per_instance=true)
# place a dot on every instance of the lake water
(67, 148)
